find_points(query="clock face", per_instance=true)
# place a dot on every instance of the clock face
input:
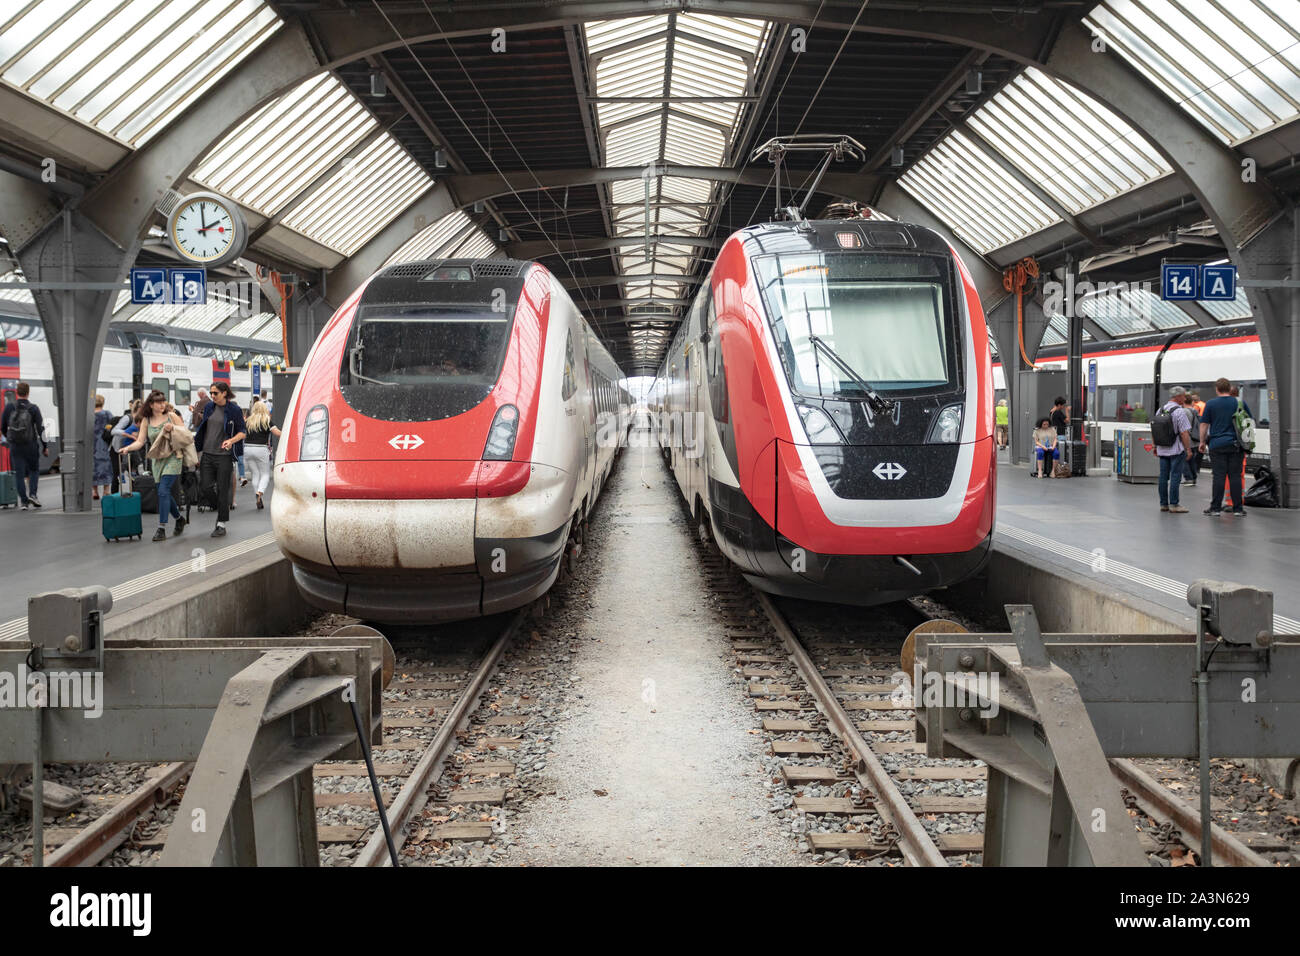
(203, 230)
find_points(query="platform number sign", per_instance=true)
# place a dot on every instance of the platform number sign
(169, 286)
(1219, 282)
(1179, 281)
(149, 286)
(189, 286)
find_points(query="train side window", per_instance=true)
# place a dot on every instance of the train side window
(570, 385)
(182, 391)
(162, 385)
(1109, 396)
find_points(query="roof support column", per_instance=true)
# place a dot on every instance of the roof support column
(70, 249)
(1002, 321)
(1257, 231)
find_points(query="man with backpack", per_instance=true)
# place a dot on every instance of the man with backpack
(23, 431)
(1228, 434)
(1171, 433)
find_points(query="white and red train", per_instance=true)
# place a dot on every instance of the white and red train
(137, 357)
(450, 430)
(1126, 372)
(827, 410)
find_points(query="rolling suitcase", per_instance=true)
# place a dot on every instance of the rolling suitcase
(8, 490)
(144, 486)
(121, 513)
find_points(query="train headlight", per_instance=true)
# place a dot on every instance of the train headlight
(821, 430)
(947, 426)
(315, 435)
(501, 436)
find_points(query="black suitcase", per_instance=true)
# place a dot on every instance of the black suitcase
(144, 486)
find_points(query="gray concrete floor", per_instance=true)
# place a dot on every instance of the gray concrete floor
(658, 764)
(47, 549)
(1102, 515)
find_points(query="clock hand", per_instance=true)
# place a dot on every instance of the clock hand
(203, 219)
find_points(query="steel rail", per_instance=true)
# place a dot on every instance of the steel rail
(919, 849)
(1166, 806)
(110, 831)
(414, 794)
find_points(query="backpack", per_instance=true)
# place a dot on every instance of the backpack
(1163, 432)
(22, 426)
(1242, 424)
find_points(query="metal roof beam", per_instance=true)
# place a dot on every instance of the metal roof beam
(541, 248)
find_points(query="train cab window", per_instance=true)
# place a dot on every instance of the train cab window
(845, 319)
(182, 391)
(570, 381)
(162, 385)
(416, 361)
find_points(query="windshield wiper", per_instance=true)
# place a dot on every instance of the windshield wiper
(876, 401)
(354, 356)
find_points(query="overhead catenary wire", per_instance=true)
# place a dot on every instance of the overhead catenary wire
(477, 142)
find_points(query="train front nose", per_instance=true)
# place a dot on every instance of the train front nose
(431, 410)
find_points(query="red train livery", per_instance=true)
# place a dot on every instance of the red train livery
(449, 432)
(827, 410)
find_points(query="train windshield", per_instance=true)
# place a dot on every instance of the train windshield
(848, 324)
(419, 362)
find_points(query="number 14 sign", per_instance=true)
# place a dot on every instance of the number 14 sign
(1205, 282)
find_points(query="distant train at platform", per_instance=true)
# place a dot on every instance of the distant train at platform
(450, 432)
(136, 358)
(827, 410)
(1126, 374)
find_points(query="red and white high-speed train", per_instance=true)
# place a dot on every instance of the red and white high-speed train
(450, 430)
(827, 410)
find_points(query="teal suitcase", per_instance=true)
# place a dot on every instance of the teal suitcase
(121, 513)
(8, 490)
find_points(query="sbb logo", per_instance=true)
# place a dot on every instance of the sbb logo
(157, 366)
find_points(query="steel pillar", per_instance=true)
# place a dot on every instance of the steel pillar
(1002, 326)
(70, 248)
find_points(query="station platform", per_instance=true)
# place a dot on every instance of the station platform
(1114, 533)
(47, 549)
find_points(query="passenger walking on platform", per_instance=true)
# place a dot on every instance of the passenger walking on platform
(23, 430)
(237, 473)
(1002, 418)
(157, 419)
(220, 431)
(1219, 438)
(1171, 433)
(102, 450)
(1044, 446)
(257, 447)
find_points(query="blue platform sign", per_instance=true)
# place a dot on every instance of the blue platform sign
(1092, 376)
(188, 286)
(1219, 282)
(257, 380)
(148, 286)
(1179, 281)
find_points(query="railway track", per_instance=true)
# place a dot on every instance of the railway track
(427, 707)
(822, 671)
(887, 800)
